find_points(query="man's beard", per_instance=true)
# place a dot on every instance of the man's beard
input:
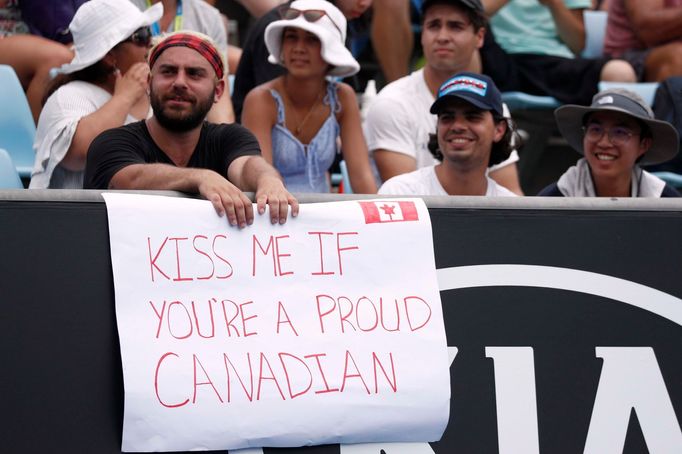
(181, 122)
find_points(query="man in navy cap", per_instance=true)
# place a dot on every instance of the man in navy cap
(398, 124)
(471, 133)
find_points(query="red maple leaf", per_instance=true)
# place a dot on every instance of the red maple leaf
(389, 210)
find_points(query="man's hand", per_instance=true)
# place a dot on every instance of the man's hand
(227, 199)
(271, 191)
(253, 173)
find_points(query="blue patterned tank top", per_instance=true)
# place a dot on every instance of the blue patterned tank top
(304, 166)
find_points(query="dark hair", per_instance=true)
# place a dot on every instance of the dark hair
(96, 73)
(477, 18)
(500, 150)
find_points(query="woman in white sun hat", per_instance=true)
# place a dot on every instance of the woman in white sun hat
(104, 86)
(615, 134)
(299, 117)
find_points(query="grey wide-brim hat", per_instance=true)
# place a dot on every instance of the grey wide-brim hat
(99, 25)
(665, 140)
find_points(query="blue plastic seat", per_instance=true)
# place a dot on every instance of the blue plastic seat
(673, 179)
(17, 129)
(646, 90)
(595, 31)
(9, 178)
(518, 100)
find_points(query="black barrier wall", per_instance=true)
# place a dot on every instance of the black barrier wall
(553, 277)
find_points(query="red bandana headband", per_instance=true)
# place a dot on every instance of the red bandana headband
(205, 48)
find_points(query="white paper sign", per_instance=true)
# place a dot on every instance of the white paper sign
(327, 329)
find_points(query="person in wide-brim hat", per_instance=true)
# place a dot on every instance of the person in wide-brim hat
(98, 26)
(300, 117)
(330, 29)
(104, 86)
(616, 134)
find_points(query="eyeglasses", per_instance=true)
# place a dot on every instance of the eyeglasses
(618, 135)
(311, 15)
(141, 37)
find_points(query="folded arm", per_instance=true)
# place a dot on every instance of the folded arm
(653, 23)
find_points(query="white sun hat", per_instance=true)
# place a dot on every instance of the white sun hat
(99, 25)
(330, 29)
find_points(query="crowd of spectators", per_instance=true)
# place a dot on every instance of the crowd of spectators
(88, 69)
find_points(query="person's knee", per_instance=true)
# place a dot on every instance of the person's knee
(663, 62)
(667, 63)
(58, 55)
(618, 71)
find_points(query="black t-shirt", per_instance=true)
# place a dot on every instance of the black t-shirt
(218, 146)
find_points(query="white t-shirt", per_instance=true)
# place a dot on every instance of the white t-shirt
(425, 182)
(399, 120)
(56, 126)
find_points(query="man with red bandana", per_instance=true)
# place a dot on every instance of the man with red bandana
(176, 149)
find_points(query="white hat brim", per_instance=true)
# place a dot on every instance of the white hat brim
(333, 50)
(101, 47)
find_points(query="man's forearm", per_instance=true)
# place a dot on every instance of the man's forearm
(569, 24)
(254, 170)
(654, 24)
(158, 177)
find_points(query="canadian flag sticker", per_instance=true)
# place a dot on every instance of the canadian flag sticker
(389, 211)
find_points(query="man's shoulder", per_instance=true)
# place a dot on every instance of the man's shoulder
(224, 129)
(230, 137)
(497, 190)
(136, 128)
(417, 182)
(401, 97)
(403, 88)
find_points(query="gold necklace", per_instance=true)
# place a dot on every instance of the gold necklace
(299, 127)
(297, 130)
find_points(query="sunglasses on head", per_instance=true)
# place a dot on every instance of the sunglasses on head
(311, 15)
(141, 37)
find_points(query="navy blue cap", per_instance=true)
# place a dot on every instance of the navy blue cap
(478, 89)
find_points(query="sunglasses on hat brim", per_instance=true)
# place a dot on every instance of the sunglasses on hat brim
(141, 37)
(311, 15)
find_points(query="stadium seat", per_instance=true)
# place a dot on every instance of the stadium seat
(17, 129)
(646, 90)
(9, 178)
(673, 179)
(518, 100)
(595, 30)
